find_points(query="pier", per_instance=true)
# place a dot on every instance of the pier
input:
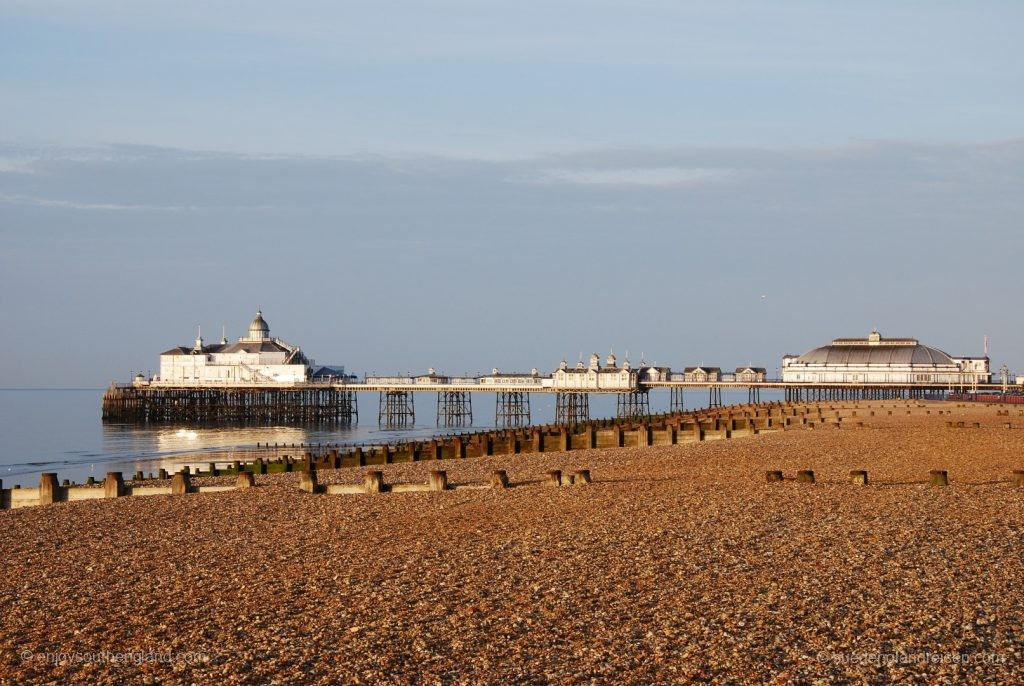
(336, 401)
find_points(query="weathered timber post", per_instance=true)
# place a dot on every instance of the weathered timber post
(553, 477)
(698, 433)
(773, 476)
(360, 458)
(564, 439)
(1018, 477)
(513, 441)
(386, 451)
(245, 480)
(113, 485)
(538, 441)
(373, 482)
(259, 467)
(162, 474)
(805, 476)
(307, 481)
(616, 435)
(486, 445)
(236, 466)
(181, 483)
(859, 477)
(938, 477)
(590, 442)
(460, 449)
(644, 432)
(499, 479)
(212, 467)
(49, 491)
(581, 476)
(438, 480)
(307, 462)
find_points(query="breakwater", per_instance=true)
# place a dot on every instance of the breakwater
(668, 429)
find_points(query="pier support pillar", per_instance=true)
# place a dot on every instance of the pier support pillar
(632, 405)
(396, 408)
(572, 407)
(675, 400)
(454, 408)
(511, 409)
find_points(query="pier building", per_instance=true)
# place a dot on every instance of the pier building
(253, 359)
(595, 377)
(879, 360)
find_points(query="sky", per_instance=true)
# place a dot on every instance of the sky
(466, 185)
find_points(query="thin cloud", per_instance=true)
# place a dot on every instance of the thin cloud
(662, 177)
(117, 207)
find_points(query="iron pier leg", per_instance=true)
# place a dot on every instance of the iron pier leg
(675, 400)
(632, 405)
(511, 408)
(454, 408)
(396, 409)
(572, 407)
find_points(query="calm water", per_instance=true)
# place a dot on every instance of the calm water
(61, 431)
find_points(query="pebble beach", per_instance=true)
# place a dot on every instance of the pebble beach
(676, 564)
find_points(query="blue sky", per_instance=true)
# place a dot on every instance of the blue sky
(466, 185)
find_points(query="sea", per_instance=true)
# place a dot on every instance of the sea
(61, 430)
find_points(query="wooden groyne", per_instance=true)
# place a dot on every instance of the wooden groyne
(306, 404)
(669, 429)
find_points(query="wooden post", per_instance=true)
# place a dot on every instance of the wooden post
(938, 477)
(773, 476)
(360, 458)
(245, 480)
(581, 476)
(307, 481)
(1018, 477)
(859, 477)
(181, 483)
(438, 480)
(49, 491)
(113, 485)
(553, 477)
(513, 448)
(499, 479)
(213, 469)
(538, 441)
(805, 476)
(460, 450)
(162, 474)
(373, 482)
(564, 440)
(617, 435)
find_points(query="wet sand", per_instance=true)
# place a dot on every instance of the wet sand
(678, 563)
